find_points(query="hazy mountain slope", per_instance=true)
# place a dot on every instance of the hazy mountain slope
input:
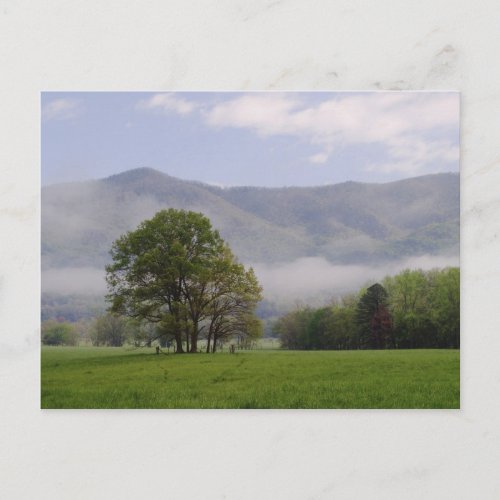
(378, 210)
(80, 220)
(350, 222)
(356, 221)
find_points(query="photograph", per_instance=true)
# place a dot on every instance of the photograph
(250, 250)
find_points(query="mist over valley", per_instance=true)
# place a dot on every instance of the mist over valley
(303, 242)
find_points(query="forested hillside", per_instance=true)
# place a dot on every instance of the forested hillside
(344, 223)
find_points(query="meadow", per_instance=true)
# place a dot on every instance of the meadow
(90, 377)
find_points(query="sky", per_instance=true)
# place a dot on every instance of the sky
(250, 138)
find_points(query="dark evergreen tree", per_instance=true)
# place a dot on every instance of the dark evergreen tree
(373, 318)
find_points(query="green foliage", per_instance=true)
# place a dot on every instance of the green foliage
(445, 294)
(414, 309)
(58, 333)
(425, 308)
(132, 378)
(176, 271)
(292, 329)
(231, 300)
(109, 330)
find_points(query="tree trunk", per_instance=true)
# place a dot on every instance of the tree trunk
(209, 338)
(194, 343)
(178, 341)
(194, 338)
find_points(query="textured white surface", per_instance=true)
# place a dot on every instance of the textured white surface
(156, 45)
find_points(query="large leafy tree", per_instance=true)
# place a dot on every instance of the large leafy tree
(156, 267)
(173, 270)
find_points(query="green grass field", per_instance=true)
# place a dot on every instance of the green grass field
(90, 377)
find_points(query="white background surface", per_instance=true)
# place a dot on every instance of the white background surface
(205, 45)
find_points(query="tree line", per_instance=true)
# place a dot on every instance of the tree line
(414, 309)
(114, 330)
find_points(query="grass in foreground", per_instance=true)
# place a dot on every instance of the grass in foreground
(81, 377)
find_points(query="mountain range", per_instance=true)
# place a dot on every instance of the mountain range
(347, 223)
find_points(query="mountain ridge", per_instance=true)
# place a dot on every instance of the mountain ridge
(138, 172)
(348, 222)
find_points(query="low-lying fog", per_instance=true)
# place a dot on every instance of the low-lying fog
(310, 276)
(302, 279)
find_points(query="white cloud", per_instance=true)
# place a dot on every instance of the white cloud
(369, 117)
(266, 114)
(404, 123)
(409, 126)
(168, 103)
(61, 109)
(319, 158)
